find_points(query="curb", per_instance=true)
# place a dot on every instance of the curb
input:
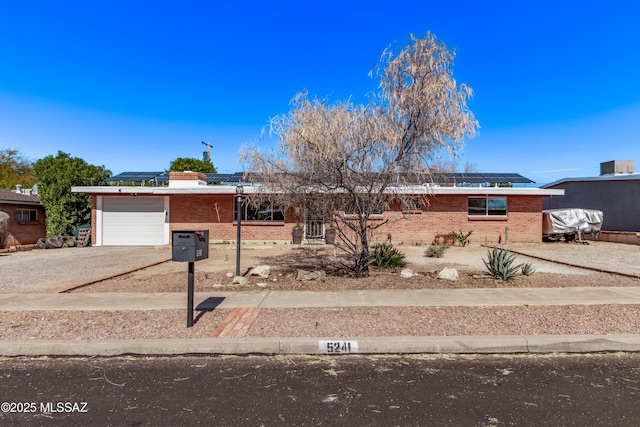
(503, 344)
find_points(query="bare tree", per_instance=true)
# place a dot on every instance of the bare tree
(347, 162)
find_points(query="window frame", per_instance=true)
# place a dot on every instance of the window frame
(488, 212)
(31, 215)
(249, 209)
(412, 204)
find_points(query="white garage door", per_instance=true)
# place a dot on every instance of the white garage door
(138, 221)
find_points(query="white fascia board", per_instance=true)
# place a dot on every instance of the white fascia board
(107, 189)
(476, 191)
(128, 190)
(210, 189)
(248, 190)
(493, 191)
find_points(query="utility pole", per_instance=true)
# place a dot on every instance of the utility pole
(208, 154)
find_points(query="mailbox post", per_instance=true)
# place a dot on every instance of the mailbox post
(190, 246)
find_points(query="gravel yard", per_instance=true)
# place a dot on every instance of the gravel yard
(326, 322)
(211, 274)
(57, 270)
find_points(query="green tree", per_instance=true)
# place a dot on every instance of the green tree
(182, 164)
(15, 169)
(56, 175)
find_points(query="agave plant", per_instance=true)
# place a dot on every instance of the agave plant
(385, 255)
(528, 269)
(499, 262)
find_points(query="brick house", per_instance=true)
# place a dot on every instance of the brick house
(146, 215)
(26, 217)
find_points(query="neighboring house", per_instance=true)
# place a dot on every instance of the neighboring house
(140, 214)
(26, 217)
(616, 192)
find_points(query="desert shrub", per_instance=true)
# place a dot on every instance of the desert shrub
(499, 262)
(435, 251)
(528, 269)
(385, 255)
(461, 238)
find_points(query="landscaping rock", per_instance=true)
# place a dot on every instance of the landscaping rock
(448, 274)
(407, 273)
(262, 271)
(230, 275)
(310, 275)
(239, 280)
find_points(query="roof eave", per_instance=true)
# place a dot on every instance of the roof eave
(231, 189)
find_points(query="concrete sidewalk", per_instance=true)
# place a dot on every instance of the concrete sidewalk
(301, 299)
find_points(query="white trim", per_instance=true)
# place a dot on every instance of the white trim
(167, 220)
(98, 220)
(110, 189)
(417, 190)
(134, 220)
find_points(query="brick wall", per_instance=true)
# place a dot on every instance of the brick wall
(442, 214)
(446, 213)
(24, 233)
(215, 213)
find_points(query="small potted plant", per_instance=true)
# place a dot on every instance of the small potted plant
(450, 239)
(296, 234)
(330, 235)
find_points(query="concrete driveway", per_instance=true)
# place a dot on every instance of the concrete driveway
(55, 270)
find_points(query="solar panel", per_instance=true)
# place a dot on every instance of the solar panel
(480, 178)
(225, 177)
(135, 176)
(443, 178)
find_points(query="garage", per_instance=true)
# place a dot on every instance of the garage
(134, 221)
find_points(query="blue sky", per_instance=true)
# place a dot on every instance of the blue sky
(134, 85)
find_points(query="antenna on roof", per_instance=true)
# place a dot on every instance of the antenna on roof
(207, 154)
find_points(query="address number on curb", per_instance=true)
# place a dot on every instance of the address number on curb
(338, 347)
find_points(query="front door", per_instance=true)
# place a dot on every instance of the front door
(314, 228)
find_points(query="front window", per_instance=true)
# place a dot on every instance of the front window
(264, 211)
(27, 215)
(487, 206)
(371, 208)
(412, 204)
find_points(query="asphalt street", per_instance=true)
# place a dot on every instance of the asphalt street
(586, 389)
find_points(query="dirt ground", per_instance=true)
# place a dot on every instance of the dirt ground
(285, 261)
(85, 265)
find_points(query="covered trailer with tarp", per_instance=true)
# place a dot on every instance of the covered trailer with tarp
(570, 223)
